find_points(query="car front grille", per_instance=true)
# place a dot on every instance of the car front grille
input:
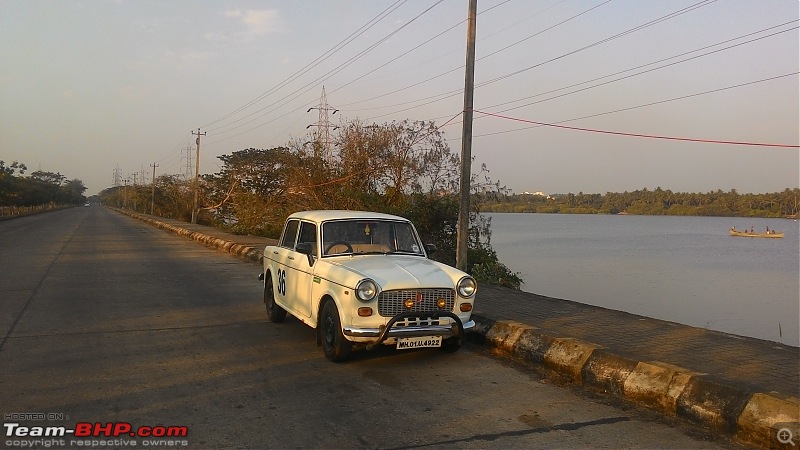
(391, 303)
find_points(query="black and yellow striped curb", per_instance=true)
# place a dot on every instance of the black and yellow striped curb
(246, 252)
(753, 418)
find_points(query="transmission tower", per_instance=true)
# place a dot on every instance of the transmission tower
(324, 125)
(187, 173)
(117, 176)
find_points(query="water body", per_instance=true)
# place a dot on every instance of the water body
(681, 269)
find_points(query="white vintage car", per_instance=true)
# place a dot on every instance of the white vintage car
(363, 279)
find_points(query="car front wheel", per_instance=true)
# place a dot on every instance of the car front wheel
(451, 345)
(334, 344)
(274, 312)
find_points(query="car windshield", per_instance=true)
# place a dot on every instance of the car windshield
(369, 236)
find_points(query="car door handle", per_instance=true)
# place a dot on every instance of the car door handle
(291, 257)
(274, 252)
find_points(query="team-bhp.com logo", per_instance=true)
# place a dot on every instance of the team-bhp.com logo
(86, 431)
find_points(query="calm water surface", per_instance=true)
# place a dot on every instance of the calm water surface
(682, 269)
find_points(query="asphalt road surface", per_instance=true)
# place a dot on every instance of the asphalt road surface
(104, 319)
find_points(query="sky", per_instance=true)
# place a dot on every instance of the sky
(90, 87)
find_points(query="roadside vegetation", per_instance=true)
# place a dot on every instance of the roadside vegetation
(37, 189)
(404, 168)
(650, 202)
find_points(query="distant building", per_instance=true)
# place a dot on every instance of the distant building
(539, 193)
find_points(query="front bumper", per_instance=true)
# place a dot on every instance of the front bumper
(454, 329)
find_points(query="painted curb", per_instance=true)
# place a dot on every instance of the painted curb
(242, 251)
(752, 418)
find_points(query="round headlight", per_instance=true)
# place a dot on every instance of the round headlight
(366, 290)
(467, 287)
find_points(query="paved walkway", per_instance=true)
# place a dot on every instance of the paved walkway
(749, 364)
(753, 364)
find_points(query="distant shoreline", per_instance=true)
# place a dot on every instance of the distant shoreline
(625, 213)
(645, 202)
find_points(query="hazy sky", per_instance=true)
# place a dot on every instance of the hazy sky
(88, 86)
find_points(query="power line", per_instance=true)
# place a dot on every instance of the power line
(330, 52)
(649, 136)
(634, 107)
(450, 94)
(484, 83)
(306, 88)
(399, 57)
(638, 73)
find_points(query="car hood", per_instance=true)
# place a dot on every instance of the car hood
(399, 272)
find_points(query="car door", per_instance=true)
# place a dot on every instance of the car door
(284, 258)
(299, 277)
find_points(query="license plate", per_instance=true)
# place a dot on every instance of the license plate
(419, 342)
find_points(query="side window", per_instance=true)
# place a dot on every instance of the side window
(289, 234)
(308, 233)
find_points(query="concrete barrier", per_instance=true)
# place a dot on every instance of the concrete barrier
(753, 418)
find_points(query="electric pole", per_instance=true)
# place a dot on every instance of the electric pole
(196, 174)
(462, 237)
(153, 192)
(125, 194)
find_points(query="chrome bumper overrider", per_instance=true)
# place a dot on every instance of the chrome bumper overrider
(454, 329)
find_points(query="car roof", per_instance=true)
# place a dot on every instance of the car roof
(335, 214)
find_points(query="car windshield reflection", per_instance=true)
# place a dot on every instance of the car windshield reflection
(369, 237)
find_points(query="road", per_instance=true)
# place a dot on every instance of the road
(106, 319)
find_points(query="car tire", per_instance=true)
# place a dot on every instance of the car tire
(451, 345)
(334, 344)
(275, 313)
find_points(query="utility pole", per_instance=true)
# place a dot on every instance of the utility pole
(196, 174)
(153, 192)
(125, 194)
(462, 237)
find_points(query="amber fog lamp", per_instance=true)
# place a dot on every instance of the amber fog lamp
(441, 303)
(364, 312)
(465, 307)
(408, 303)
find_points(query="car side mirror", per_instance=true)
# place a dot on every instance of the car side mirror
(307, 249)
(430, 249)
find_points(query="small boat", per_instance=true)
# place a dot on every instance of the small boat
(769, 234)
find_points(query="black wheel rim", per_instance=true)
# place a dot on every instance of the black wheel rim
(329, 330)
(270, 297)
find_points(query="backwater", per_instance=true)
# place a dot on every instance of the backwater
(681, 269)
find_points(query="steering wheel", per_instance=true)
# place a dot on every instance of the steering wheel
(349, 248)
